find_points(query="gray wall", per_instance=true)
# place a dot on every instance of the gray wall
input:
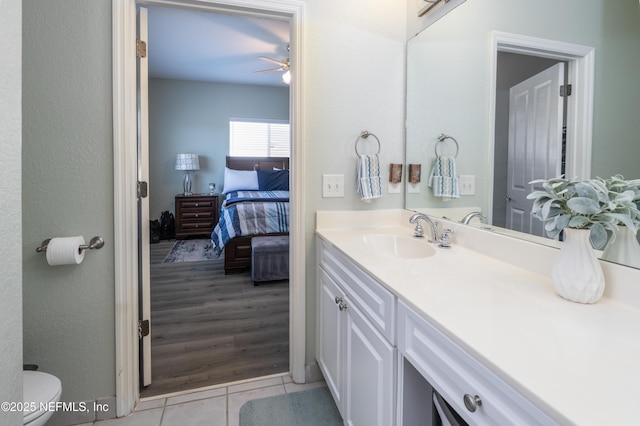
(68, 190)
(10, 206)
(193, 117)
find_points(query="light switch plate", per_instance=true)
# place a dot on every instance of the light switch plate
(467, 184)
(332, 186)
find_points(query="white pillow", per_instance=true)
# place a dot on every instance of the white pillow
(238, 180)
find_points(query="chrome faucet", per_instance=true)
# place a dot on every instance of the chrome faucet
(419, 231)
(465, 220)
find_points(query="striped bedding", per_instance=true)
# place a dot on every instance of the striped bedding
(251, 213)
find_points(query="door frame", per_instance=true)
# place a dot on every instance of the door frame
(581, 71)
(125, 177)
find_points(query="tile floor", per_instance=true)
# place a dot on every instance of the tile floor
(215, 407)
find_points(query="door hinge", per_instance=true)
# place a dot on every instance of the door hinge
(565, 90)
(141, 49)
(143, 189)
(143, 328)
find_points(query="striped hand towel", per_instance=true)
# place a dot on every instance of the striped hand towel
(443, 179)
(369, 179)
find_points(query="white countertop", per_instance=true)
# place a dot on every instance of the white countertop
(580, 363)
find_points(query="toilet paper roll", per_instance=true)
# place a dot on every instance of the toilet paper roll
(65, 251)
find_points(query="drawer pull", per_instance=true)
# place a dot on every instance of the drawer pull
(472, 402)
(342, 306)
(338, 300)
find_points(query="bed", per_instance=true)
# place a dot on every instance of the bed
(255, 202)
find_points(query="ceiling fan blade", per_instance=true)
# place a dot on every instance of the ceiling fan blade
(269, 70)
(264, 58)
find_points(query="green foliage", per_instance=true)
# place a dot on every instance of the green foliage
(596, 204)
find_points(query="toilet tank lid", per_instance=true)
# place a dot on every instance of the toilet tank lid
(39, 388)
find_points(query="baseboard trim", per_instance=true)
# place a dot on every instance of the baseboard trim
(75, 413)
(312, 373)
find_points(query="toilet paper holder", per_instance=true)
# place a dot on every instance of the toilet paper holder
(95, 243)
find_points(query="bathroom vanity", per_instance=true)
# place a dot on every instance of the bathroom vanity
(478, 326)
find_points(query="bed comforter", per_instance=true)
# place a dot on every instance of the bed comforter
(246, 213)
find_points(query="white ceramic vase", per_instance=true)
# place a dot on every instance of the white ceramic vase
(577, 274)
(624, 249)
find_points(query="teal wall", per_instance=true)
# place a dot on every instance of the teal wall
(193, 117)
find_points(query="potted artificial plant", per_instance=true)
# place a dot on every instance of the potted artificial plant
(584, 211)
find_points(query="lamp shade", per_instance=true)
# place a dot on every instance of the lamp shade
(187, 162)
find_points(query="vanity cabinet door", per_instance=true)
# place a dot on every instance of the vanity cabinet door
(370, 364)
(330, 336)
(357, 362)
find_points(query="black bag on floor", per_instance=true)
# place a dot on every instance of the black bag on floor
(154, 231)
(167, 226)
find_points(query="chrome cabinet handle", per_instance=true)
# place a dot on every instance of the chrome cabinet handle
(338, 300)
(342, 306)
(472, 402)
(508, 198)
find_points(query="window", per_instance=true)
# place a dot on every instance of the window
(259, 138)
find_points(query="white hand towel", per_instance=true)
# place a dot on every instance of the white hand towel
(369, 179)
(443, 179)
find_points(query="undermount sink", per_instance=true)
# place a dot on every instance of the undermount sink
(398, 246)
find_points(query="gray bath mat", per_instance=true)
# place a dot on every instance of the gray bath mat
(312, 407)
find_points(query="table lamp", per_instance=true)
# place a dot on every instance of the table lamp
(187, 163)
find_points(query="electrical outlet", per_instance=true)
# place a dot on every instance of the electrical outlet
(413, 188)
(332, 186)
(394, 188)
(467, 184)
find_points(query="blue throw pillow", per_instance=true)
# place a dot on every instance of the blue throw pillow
(273, 180)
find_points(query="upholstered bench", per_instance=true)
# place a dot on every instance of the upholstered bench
(269, 258)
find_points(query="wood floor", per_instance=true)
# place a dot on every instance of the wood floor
(209, 328)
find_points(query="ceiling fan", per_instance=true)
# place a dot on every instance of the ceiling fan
(283, 65)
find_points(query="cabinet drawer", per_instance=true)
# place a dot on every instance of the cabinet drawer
(197, 204)
(196, 215)
(376, 302)
(454, 373)
(188, 225)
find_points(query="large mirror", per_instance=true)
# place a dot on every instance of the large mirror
(459, 74)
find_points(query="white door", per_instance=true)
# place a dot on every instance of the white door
(535, 143)
(330, 336)
(370, 364)
(144, 283)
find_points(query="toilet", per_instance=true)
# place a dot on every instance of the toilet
(40, 390)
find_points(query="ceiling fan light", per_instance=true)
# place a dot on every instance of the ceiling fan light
(286, 77)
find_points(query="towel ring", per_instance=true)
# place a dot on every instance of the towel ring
(443, 138)
(364, 135)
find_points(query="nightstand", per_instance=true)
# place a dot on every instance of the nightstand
(196, 215)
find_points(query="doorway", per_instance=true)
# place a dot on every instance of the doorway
(530, 117)
(125, 207)
(578, 109)
(207, 327)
